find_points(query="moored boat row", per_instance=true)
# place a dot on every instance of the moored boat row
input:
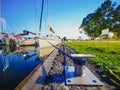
(28, 41)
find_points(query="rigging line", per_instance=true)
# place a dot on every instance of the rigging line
(46, 19)
(35, 13)
(47, 11)
(41, 16)
(9, 27)
(0, 18)
(36, 18)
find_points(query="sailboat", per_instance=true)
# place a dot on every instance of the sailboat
(42, 40)
(28, 40)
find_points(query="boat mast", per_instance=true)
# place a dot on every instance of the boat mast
(41, 16)
(0, 19)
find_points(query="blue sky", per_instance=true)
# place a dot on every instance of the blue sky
(65, 16)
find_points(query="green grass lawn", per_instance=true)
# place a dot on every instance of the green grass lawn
(107, 56)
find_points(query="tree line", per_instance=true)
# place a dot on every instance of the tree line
(106, 16)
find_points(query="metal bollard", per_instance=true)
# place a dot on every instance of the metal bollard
(80, 61)
(79, 68)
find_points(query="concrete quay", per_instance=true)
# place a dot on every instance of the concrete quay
(50, 75)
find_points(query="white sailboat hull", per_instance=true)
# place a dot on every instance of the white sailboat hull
(42, 42)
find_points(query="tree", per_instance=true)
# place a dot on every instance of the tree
(116, 21)
(106, 16)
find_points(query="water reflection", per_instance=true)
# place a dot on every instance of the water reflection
(28, 55)
(5, 61)
(19, 51)
(16, 64)
(4, 56)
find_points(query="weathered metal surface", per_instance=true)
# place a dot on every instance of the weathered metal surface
(80, 61)
(87, 79)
